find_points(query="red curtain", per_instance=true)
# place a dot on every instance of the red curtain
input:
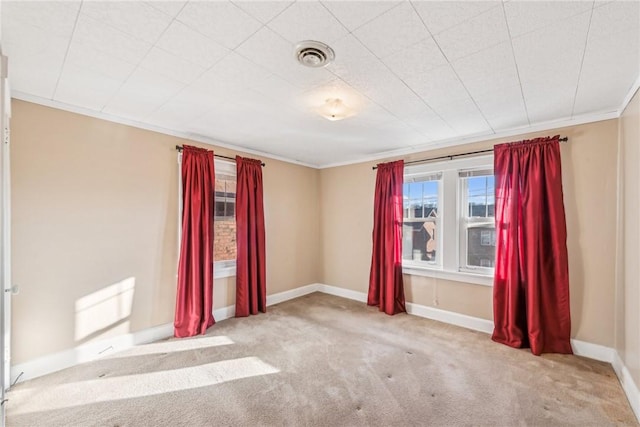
(531, 283)
(386, 289)
(251, 292)
(194, 300)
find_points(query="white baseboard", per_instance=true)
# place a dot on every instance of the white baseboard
(87, 352)
(628, 385)
(222, 313)
(291, 294)
(94, 350)
(592, 351)
(444, 316)
(342, 292)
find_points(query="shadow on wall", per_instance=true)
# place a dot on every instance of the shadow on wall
(104, 310)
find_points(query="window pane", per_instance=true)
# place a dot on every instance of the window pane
(481, 246)
(420, 223)
(224, 222)
(478, 213)
(419, 240)
(480, 196)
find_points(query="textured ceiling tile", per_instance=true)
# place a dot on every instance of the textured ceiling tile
(618, 53)
(416, 59)
(463, 116)
(54, 18)
(614, 55)
(359, 67)
(509, 119)
(137, 19)
(109, 40)
(85, 87)
(221, 21)
(615, 17)
(480, 32)
(431, 125)
(439, 87)
(264, 10)
(143, 92)
(553, 53)
(392, 31)
(397, 98)
(271, 51)
(85, 57)
(186, 106)
(171, 8)
(596, 94)
(488, 70)
(171, 66)
(503, 109)
(231, 74)
(279, 90)
(36, 58)
(307, 21)
(441, 15)
(354, 14)
(190, 45)
(527, 16)
(546, 101)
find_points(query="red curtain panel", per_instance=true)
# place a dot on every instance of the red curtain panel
(531, 283)
(386, 289)
(194, 300)
(251, 292)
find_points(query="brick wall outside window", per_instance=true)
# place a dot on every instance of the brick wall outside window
(224, 246)
(224, 223)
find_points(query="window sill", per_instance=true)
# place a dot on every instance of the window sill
(456, 276)
(224, 269)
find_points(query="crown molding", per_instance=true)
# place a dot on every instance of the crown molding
(634, 88)
(451, 142)
(153, 128)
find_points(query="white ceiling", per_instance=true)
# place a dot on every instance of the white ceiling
(421, 74)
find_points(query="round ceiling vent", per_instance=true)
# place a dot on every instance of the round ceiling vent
(314, 54)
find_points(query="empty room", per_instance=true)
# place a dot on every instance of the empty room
(320, 213)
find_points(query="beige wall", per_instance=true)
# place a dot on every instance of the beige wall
(94, 205)
(628, 283)
(589, 177)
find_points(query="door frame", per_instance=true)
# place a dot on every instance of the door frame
(5, 235)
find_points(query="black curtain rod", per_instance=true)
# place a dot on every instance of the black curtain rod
(220, 156)
(453, 156)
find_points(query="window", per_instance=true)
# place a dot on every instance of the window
(420, 226)
(477, 224)
(224, 221)
(448, 220)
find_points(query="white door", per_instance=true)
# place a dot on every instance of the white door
(5, 238)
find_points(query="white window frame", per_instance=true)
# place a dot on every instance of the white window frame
(226, 268)
(465, 222)
(221, 269)
(449, 212)
(438, 261)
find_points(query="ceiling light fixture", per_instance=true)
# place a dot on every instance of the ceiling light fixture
(314, 54)
(334, 109)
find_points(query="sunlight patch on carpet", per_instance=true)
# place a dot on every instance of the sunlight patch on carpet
(175, 345)
(106, 389)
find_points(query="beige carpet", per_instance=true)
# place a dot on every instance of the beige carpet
(320, 360)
